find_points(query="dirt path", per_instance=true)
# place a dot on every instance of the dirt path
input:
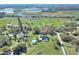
(62, 45)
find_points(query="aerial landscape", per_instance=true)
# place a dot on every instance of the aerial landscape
(39, 29)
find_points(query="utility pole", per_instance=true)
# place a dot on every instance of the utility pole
(19, 21)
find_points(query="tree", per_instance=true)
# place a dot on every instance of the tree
(66, 37)
(6, 51)
(70, 26)
(29, 28)
(76, 33)
(75, 43)
(36, 30)
(4, 41)
(49, 29)
(77, 19)
(20, 48)
(61, 29)
(2, 14)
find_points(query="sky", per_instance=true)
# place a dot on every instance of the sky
(39, 1)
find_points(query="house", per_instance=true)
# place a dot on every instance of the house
(20, 36)
(13, 29)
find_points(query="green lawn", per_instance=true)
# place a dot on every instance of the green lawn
(44, 48)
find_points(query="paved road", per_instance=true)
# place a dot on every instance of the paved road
(62, 45)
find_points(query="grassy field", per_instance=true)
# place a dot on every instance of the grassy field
(39, 22)
(76, 13)
(43, 48)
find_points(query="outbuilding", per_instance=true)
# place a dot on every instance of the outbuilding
(45, 38)
(34, 42)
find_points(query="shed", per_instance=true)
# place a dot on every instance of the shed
(34, 42)
(39, 39)
(45, 38)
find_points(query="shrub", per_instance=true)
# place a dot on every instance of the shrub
(58, 43)
(6, 51)
(56, 46)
